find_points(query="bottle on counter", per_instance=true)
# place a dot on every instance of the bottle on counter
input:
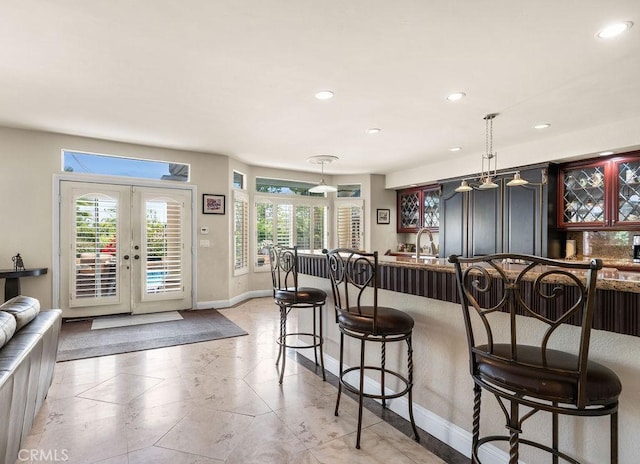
(636, 248)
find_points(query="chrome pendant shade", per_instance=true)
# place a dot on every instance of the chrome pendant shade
(486, 178)
(322, 186)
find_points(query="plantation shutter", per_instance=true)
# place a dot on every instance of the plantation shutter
(284, 225)
(241, 232)
(95, 247)
(163, 246)
(350, 227)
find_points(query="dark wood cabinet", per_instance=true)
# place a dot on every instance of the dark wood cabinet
(485, 225)
(600, 194)
(453, 221)
(504, 219)
(418, 207)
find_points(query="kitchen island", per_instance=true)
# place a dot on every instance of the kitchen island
(443, 396)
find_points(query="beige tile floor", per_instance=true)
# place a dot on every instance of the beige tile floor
(206, 403)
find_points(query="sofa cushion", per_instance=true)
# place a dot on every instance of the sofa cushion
(23, 308)
(7, 327)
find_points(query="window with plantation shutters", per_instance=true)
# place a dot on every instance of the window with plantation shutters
(95, 247)
(240, 233)
(163, 242)
(287, 223)
(350, 226)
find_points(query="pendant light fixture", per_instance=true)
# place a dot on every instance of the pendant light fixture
(322, 186)
(489, 157)
(486, 179)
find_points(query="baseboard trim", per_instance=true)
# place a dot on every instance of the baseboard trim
(220, 304)
(445, 431)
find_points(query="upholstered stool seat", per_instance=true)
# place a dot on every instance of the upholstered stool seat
(301, 295)
(389, 321)
(603, 385)
(354, 280)
(288, 295)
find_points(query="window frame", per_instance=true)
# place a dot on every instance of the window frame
(294, 201)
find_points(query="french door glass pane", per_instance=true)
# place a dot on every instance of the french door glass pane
(163, 243)
(95, 246)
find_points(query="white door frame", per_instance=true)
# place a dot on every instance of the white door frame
(115, 180)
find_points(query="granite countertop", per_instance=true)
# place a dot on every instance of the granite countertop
(609, 278)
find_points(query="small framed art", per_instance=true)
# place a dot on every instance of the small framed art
(213, 204)
(384, 216)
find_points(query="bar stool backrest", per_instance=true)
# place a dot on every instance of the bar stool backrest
(354, 282)
(553, 292)
(284, 268)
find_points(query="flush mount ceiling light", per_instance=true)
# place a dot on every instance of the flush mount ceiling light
(324, 95)
(614, 30)
(456, 96)
(322, 186)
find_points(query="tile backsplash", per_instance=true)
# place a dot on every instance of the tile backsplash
(604, 244)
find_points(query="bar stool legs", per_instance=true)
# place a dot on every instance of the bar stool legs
(316, 335)
(383, 396)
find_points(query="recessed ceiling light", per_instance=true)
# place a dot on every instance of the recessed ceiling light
(606, 153)
(542, 126)
(373, 130)
(613, 30)
(324, 95)
(455, 148)
(456, 96)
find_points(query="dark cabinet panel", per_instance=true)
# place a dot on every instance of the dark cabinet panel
(523, 220)
(504, 219)
(485, 227)
(453, 221)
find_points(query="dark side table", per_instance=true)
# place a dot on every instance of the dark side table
(12, 280)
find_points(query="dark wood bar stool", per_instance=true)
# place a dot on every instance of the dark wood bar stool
(533, 375)
(354, 281)
(287, 295)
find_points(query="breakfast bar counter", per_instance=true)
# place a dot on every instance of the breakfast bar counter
(443, 389)
(617, 297)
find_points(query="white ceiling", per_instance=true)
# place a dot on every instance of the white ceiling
(238, 77)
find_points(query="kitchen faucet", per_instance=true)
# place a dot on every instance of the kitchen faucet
(431, 245)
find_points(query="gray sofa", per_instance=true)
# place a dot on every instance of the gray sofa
(28, 348)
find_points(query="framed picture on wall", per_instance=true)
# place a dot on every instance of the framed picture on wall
(213, 204)
(384, 216)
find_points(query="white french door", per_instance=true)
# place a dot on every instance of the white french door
(124, 249)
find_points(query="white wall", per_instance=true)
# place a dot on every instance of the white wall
(30, 159)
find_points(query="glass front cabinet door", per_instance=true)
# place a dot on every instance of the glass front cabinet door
(418, 207)
(601, 194)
